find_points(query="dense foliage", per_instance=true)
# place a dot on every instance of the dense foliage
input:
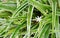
(29, 18)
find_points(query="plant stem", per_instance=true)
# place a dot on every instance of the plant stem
(57, 27)
(29, 17)
(54, 5)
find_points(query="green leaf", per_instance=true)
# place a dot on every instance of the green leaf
(41, 7)
(29, 17)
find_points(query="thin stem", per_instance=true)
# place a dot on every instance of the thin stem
(39, 29)
(57, 27)
(54, 5)
(29, 17)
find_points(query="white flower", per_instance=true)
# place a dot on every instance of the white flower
(38, 19)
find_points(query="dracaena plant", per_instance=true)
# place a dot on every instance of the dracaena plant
(29, 18)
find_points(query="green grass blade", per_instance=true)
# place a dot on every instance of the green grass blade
(41, 7)
(46, 35)
(9, 8)
(57, 27)
(17, 29)
(19, 9)
(43, 30)
(54, 7)
(29, 17)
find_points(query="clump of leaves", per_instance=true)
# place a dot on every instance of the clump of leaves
(29, 19)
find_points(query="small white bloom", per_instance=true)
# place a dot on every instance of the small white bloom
(38, 19)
